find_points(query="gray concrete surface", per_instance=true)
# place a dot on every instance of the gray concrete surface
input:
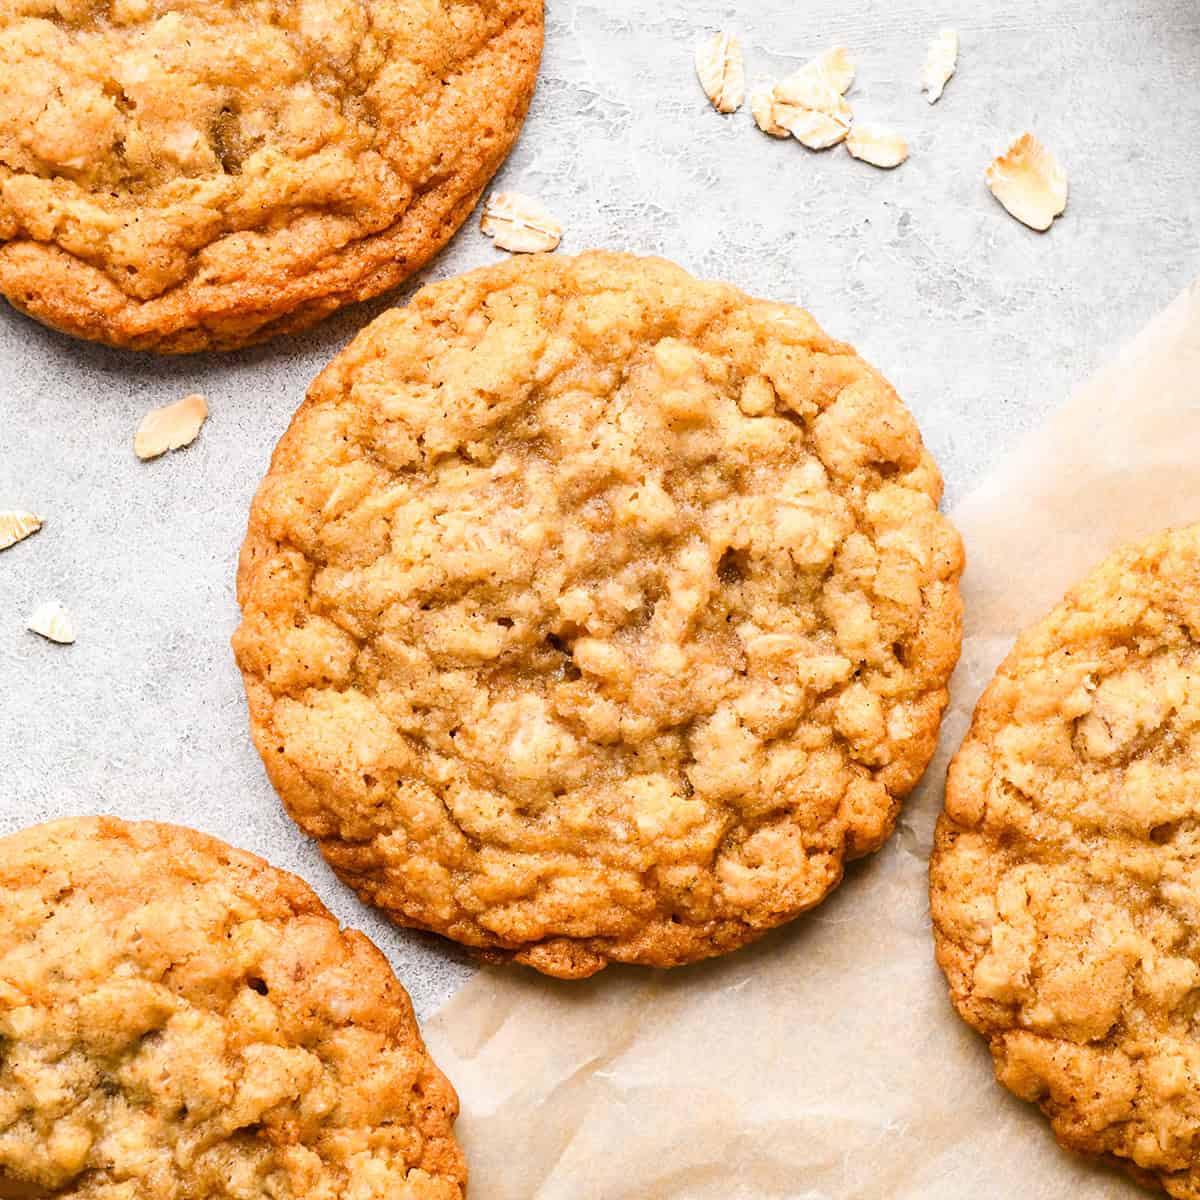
(983, 326)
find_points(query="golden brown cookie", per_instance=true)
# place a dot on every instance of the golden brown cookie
(180, 1021)
(199, 174)
(1064, 882)
(593, 613)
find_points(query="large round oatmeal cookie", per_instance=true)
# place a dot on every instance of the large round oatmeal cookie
(181, 1021)
(192, 174)
(595, 613)
(1064, 883)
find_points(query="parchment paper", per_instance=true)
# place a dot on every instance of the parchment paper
(826, 1061)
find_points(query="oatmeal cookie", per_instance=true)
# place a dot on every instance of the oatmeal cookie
(1064, 883)
(595, 613)
(181, 1021)
(199, 174)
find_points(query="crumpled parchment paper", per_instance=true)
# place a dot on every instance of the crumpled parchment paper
(826, 1061)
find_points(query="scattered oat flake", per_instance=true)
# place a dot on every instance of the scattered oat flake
(877, 146)
(170, 427)
(1030, 182)
(520, 224)
(720, 70)
(940, 64)
(811, 109)
(835, 66)
(53, 622)
(816, 130)
(834, 69)
(762, 107)
(16, 525)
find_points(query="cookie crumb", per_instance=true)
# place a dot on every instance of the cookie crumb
(1030, 182)
(52, 621)
(16, 525)
(171, 427)
(721, 72)
(520, 224)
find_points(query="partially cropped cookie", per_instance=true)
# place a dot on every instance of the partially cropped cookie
(189, 176)
(1064, 882)
(593, 613)
(179, 1020)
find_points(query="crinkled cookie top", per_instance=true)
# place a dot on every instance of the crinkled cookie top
(1064, 883)
(176, 174)
(180, 1021)
(594, 613)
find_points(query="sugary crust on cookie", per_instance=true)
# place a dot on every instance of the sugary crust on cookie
(593, 613)
(1063, 881)
(180, 1020)
(200, 175)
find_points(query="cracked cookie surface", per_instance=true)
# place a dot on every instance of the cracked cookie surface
(198, 174)
(179, 1019)
(594, 613)
(1063, 883)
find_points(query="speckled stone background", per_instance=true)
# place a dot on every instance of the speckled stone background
(982, 325)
